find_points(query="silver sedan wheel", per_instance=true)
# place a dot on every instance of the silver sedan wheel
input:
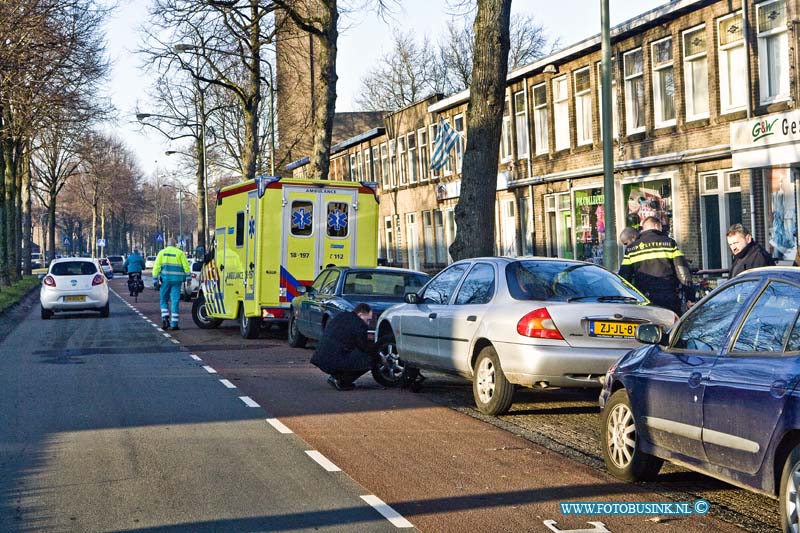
(485, 380)
(621, 435)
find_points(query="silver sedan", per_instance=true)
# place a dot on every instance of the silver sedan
(501, 322)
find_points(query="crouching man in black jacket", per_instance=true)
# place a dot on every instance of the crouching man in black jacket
(344, 351)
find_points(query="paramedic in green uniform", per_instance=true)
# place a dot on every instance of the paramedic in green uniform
(172, 266)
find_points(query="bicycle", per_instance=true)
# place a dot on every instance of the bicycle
(135, 284)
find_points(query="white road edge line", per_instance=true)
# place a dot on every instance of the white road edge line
(176, 341)
(323, 461)
(277, 424)
(209, 369)
(166, 335)
(388, 513)
(227, 383)
(248, 401)
(193, 356)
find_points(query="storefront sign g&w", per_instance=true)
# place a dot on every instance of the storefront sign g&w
(766, 141)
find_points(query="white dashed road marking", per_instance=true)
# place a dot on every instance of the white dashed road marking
(176, 341)
(323, 461)
(209, 369)
(248, 401)
(277, 424)
(227, 383)
(193, 356)
(388, 513)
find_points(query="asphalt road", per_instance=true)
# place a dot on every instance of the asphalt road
(111, 425)
(442, 466)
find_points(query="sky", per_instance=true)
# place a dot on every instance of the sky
(364, 40)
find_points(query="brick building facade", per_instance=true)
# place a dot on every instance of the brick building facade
(706, 135)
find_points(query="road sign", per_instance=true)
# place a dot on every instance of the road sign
(182, 242)
(101, 243)
(66, 241)
(159, 237)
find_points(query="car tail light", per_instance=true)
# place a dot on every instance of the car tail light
(272, 313)
(538, 323)
(49, 280)
(99, 279)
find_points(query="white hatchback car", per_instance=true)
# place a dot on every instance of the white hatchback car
(74, 284)
(150, 262)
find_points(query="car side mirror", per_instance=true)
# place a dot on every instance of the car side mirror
(649, 334)
(302, 289)
(411, 298)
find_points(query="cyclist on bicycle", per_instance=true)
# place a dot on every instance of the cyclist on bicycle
(133, 265)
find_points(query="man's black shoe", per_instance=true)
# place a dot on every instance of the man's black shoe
(164, 324)
(338, 385)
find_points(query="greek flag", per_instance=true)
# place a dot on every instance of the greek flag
(442, 145)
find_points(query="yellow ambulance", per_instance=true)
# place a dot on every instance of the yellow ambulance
(273, 235)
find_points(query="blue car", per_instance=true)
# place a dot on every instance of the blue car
(717, 394)
(339, 289)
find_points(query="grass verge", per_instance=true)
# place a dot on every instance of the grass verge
(17, 291)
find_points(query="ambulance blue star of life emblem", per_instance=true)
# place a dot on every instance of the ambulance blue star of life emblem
(337, 220)
(301, 218)
(251, 230)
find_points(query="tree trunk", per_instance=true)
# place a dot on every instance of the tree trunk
(475, 213)
(27, 220)
(325, 83)
(51, 224)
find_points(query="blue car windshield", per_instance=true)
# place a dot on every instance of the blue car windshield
(567, 281)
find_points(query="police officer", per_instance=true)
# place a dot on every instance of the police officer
(654, 265)
(172, 266)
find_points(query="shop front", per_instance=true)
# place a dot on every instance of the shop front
(770, 148)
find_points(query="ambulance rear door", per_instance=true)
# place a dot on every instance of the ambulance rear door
(320, 232)
(250, 241)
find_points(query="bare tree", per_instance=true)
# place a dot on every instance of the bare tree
(475, 234)
(401, 77)
(412, 71)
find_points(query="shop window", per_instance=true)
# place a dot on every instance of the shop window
(590, 225)
(302, 218)
(615, 125)
(337, 219)
(773, 51)
(521, 124)
(732, 64)
(540, 118)
(634, 91)
(648, 199)
(695, 73)
(781, 214)
(561, 112)
(583, 106)
(663, 82)
(505, 139)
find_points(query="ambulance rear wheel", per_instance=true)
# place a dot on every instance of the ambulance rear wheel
(200, 314)
(249, 327)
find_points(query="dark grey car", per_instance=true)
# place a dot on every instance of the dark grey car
(116, 263)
